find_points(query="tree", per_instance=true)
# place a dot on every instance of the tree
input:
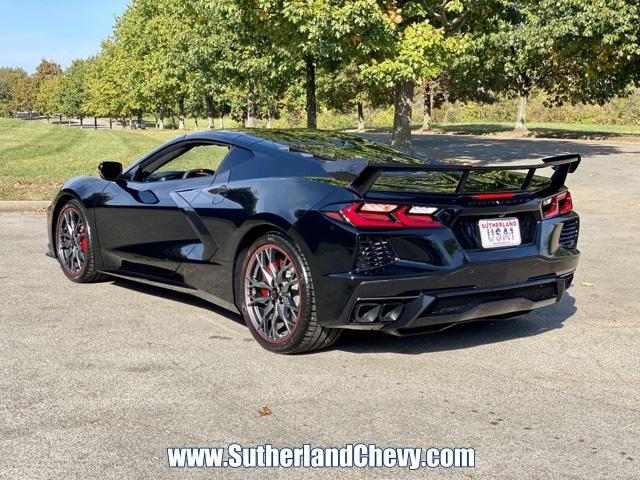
(24, 94)
(9, 80)
(602, 53)
(19, 91)
(46, 70)
(74, 98)
(107, 92)
(317, 34)
(132, 63)
(251, 70)
(48, 100)
(417, 51)
(47, 81)
(464, 20)
(563, 47)
(344, 89)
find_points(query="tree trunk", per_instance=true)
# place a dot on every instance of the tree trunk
(401, 134)
(360, 117)
(181, 112)
(95, 123)
(312, 108)
(59, 118)
(427, 116)
(81, 122)
(208, 100)
(110, 123)
(268, 120)
(251, 121)
(48, 119)
(161, 122)
(447, 107)
(521, 120)
(195, 120)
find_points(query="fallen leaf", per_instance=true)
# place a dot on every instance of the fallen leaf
(587, 284)
(264, 411)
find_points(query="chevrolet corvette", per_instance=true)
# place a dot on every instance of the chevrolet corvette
(307, 233)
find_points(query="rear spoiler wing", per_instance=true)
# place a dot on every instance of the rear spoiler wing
(363, 175)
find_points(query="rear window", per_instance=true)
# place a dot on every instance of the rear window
(417, 181)
(447, 181)
(337, 146)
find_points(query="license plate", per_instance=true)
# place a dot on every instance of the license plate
(500, 232)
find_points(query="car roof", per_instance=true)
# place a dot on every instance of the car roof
(321, 144)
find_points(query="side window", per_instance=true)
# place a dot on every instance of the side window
(237, 156)
(198, 160)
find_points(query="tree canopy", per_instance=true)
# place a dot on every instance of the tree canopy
(255, 59)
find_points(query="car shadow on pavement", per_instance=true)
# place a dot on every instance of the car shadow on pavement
(186, 298)
(466, 335)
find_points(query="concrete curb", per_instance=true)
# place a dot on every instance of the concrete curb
(12, 206)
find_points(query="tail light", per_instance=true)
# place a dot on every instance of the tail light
(559, 204)
(382, 215)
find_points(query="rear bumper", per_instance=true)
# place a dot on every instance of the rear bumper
(435, 301)
(463, 306)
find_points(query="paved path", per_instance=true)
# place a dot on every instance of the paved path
(96, 381)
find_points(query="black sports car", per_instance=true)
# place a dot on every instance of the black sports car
(310, 232)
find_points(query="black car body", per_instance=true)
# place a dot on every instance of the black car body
(392, 241)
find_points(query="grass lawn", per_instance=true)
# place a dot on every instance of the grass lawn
(36, 158)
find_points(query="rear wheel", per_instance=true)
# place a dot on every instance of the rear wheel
(276, 296)
(75, 244)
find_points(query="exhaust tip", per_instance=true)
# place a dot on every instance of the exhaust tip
(391, 312)
(367, 313)
(377, 312)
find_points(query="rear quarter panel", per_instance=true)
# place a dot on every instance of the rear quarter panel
(233, 211)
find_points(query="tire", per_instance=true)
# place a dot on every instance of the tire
(81, 268)
(296, 328)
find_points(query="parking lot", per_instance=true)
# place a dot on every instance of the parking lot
(96, 381)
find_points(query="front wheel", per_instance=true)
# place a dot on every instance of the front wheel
(276, 296)
(75, 244)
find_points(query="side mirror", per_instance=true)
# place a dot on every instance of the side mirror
(110, 170)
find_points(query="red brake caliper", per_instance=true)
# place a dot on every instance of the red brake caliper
(264, 292)
(84, 242)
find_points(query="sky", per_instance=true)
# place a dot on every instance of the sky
(59, 30)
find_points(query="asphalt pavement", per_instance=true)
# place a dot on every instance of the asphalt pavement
(96, 381)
